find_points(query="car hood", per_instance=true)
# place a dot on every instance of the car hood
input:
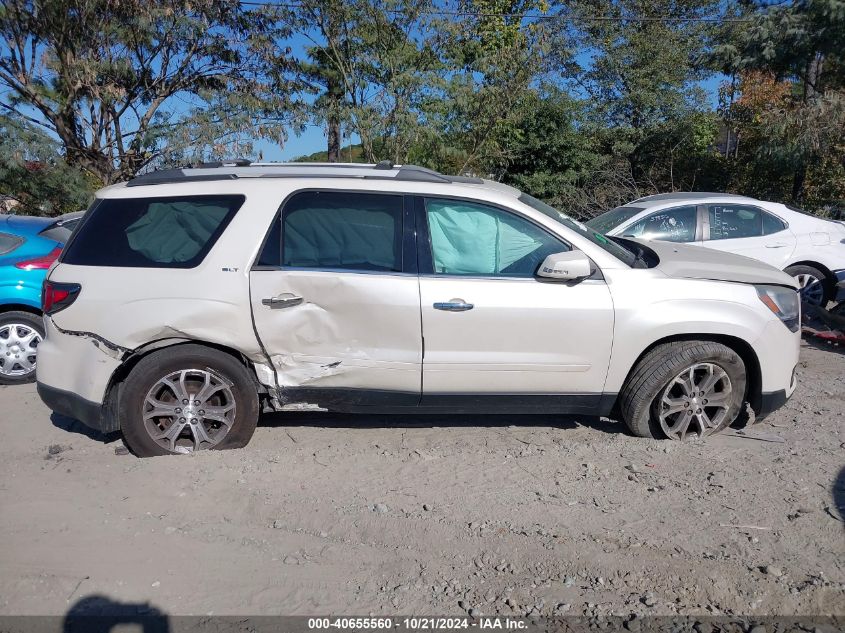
(696, 262)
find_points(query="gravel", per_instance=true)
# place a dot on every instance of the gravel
(734, 524)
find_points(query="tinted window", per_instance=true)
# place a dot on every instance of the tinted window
(606, 222)
(8, 243)
(474, 239)
(771, 224)
(349, 231)
(671, 225)
(729, 221)
(174, 232)
(271, 253)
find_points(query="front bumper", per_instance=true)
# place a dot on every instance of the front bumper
(67, 403)
(770, 402)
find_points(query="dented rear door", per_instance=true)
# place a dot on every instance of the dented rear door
(336, 302)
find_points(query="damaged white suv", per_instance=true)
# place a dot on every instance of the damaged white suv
(190, 300)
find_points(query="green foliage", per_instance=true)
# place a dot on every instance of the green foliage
(33, 173)
(600, 104)
(789, 115)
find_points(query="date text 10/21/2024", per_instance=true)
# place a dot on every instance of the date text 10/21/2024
(418, 623)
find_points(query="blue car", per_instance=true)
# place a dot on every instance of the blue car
(28, 246)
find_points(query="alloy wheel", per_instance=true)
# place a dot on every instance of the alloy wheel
(189, 410)
(811, 288)
(696, 401)
(18, 345)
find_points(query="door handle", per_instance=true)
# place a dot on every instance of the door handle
(455, 305)
(775, 245)
(282, 301)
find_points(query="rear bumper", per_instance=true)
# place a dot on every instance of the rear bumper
(91, 414)
(74, 363)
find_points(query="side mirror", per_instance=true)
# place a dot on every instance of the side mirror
(566, 266)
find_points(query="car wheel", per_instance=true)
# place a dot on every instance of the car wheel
(684, 388)
(20, 334)
(812, 284)
(187, 398)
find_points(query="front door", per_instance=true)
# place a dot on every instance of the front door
(334, 307)
(491, 329)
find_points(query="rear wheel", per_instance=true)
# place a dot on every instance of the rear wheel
(812, 283)
(684, 388)
(187, 398)
(20, 334)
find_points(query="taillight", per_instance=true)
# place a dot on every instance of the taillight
(57, 296)
(40, 263)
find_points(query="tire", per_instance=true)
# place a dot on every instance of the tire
(189, 370)
(17, 346)
(816, 293)
(659, 373)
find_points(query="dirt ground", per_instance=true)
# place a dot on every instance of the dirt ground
(325, 513)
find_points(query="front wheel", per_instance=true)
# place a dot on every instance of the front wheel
(684, 388)
(187, 398)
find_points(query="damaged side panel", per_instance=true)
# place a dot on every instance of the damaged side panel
(340, 330)
(62, 352)
(111, 321)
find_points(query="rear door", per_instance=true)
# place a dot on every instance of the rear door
(492, 329)
(335, 297)
(749, 230)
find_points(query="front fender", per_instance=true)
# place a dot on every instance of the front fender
(637, 330)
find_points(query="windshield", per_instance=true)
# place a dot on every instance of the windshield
(618, 251)
(608, 221)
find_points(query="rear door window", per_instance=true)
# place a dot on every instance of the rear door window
(732, 221)
(670, 225)
(341, 231)
(175, 232)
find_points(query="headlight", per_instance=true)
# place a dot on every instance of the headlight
(784, 302)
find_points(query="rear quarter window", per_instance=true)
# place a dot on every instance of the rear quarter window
(174, 232)
(9, 242)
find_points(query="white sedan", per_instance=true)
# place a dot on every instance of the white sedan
(809, 248)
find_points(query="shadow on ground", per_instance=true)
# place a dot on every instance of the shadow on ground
(72, 425)
(824, 345)
(100, 614)
(838, 493)
(431, 420)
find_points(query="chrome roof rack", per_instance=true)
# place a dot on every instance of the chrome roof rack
(240, 168)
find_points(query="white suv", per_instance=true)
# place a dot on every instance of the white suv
(190, 300)
(809, 248)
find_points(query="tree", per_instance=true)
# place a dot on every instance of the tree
(34, 174)
(124, 84)
(490, 54)
(798, 48)
(548, 154)
(640, 74)
(377, 55)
